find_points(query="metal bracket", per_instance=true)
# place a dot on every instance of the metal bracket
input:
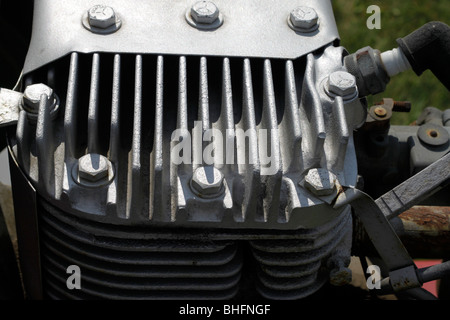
(374, 215)
(419, 187)
(378, 228)
(405, 278)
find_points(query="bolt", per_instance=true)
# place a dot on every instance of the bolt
(32, 96)
(93, 167)
(380, 112)
(304, 17)
(320, 181)
(402, 106)
(204, 12)
(207, 181)
(101, 17)
(340, 276)
(342, 83)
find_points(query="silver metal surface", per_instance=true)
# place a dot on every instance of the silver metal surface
(10, 102)
(250, 29)
(320, 181)
(380, 232)
(32, 98)
(417, 188)
(93, 167)
(207, 181)
(204, 12)
(101, 19)
(101, 16)
(342, 83)
(282, 113)
(111, 158)
(304, 19)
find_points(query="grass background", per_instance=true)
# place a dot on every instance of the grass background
(398, 19)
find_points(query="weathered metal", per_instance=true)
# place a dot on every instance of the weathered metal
(415, 189)
(424, 230)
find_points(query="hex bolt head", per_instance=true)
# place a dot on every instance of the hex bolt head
(207, 181)
(32, 96)
(342, 83)
(204, 12)
(93, 167)
(304, 17)
(320, 181)
(102, 17)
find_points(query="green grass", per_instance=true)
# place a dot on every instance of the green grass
(398, 19)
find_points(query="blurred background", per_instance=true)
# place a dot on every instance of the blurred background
(398, 19)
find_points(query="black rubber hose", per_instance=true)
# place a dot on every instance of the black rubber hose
(429, 48)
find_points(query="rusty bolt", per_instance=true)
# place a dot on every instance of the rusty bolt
(304, 18)
(93, 167)
(32, 96)
(380, 112)
(207, 181)
(402, 106)
(342, 83)
(320, 181)
(102, 17)
(204, 12)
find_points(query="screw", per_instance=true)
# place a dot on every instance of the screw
(342, 83)
(93, 167)
(204, 12)
(380, 112)
(32, 96)
(207, 181)
(101, 17)
(320, 181)
(304, 17)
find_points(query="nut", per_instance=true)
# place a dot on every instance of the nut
(342, 83)
(320, 181)
(380, 112)
(207, 181)
(32, 96)
(304, 17)
(204, 12)
(93, 167)
(101, 17)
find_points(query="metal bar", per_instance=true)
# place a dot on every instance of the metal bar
(417, 188)
(434, 272)
(380, 232)
(424, 230)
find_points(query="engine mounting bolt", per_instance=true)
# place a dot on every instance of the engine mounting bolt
(342, 84)
(320, 181)
(93, 167)
(205, 12)
(32, 96)
(101, 16)
(207, 181)
(304, 18)
(380, 112)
